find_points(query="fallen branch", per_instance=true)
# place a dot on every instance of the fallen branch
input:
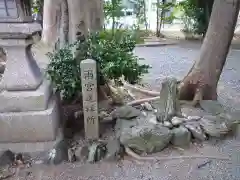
(137, 157)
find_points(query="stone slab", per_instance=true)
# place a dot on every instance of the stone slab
(35, 126)
(27, 28)
(29, 147)
(22, 101)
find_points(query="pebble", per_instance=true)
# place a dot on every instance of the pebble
(181, 136)
(167, 124)
(148, 106)
(193, 118)
(177, 121)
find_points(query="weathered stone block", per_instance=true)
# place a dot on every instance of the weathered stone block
(31, 126)
(22, 101)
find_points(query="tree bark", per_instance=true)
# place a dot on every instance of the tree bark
(202, 79)
(78, 26)
(49, 32)
(64, 25)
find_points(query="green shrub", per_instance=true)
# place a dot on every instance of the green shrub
(113, 53)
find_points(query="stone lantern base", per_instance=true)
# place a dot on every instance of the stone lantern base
(29, 114)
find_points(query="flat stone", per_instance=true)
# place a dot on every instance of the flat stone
(125, 112)
(196, 130)
(26, 28)
(22, 101)
(31, 126)
(146, 138)
(181, 136)
(214, 126)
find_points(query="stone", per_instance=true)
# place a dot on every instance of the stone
(214, 126)
(193, 118)
(115, 150)
(196, 130)
(97, 151)
(23, 101)
(176, 121)
(59, 153)
(152, 118)
(146, 138)
(90, 99)
(125, 112)
(31, 126)
(168, 104)
(13, 11)
(2, 67)
(147, 106)
(181, 136)
(7, 158)
(213, 107)
(167, 124)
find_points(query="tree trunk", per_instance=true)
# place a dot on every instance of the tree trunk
(78, 26)
(145, 15)
(64, 27)
(157, 28)
(49, 32)
(201, 81)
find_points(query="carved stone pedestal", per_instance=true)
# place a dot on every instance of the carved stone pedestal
(28, 108)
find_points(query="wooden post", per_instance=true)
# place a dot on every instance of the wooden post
(90, 102)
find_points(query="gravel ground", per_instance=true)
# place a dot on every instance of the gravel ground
(169, 61)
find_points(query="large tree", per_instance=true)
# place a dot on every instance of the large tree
(202, 79)
(67, 19)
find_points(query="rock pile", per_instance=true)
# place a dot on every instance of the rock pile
(153, 126)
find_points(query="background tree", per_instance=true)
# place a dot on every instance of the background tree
(140, 11)
(201, 81)
(196, 15)
(113, 10)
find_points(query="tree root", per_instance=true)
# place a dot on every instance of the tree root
(140, 101)
(137, 157)
(146, 92)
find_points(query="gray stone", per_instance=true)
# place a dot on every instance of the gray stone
(114, 150)
(181, 136)
(59, 153)
(146, 138)
(2, 67)
(125, 112)
(22, 101)
(196, 130)
(167, 124)
(176, 121)
(168, 104)
(214, 126)
(148, 106)
(31, 126)
(193, 118)
(97, 151)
